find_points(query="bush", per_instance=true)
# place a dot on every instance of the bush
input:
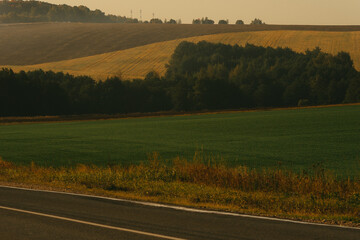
(223, 22)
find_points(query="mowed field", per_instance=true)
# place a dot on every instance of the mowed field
(138, 61)
(294, 138)
(25, 44)
(132, 50)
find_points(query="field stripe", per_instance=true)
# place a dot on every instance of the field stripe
(185, 209)
(91, 223)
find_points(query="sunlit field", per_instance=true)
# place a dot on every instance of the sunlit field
(137, 62)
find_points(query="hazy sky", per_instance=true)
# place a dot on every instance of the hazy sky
(345, 12)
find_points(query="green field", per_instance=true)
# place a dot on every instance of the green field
(297, 138)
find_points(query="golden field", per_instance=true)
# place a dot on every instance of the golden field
(138, 61)
(35, 43)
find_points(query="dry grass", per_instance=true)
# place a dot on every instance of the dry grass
(316, 195)
(137, 62)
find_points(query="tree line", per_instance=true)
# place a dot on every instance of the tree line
(36, 11)
(20, 11)
(202, 76)
(206, 20)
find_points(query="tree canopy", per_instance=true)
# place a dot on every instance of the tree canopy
(205, 20)
(257, 21)
(218, 76)
(156, 20)
(171, 21)
(223, 22)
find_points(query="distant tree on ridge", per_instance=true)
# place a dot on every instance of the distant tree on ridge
(239, 22)
(257, 21)
(223, 22)
(156, 20)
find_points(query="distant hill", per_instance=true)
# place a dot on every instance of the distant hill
(137, 62)
(35, 43)
(36, 11)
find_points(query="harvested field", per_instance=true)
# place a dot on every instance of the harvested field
(138, 61)
(28, 44)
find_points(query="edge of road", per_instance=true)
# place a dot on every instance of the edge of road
(180, 208)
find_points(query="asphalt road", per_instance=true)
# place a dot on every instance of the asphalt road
(38, 215)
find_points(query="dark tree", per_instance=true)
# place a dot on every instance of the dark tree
(353, 90)
(156, 21)
(207, 21)
(223, 22)
(171, 21)
(239, 22)
(196, 21)
(257, 21)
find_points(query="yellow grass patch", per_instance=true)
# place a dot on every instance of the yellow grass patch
(137, 62)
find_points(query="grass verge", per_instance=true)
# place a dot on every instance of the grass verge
(315, 195)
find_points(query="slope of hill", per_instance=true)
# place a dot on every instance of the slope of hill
(137, 62)
(36, 11)
(26, 44)
(48, 42)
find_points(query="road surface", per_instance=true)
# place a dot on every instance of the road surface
(28, 214)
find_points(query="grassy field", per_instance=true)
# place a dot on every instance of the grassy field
(138, 61)
(297, 139)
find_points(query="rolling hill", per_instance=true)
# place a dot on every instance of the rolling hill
(136, 62)
(132, 50)
(27, 44)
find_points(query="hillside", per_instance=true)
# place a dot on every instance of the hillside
(36, 11)
(138, 61)
(36, 43)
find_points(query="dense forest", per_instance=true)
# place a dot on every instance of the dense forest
(218, 76)
(36, 11)
(199, 76)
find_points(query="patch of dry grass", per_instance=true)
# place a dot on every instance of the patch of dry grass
(316, 195)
